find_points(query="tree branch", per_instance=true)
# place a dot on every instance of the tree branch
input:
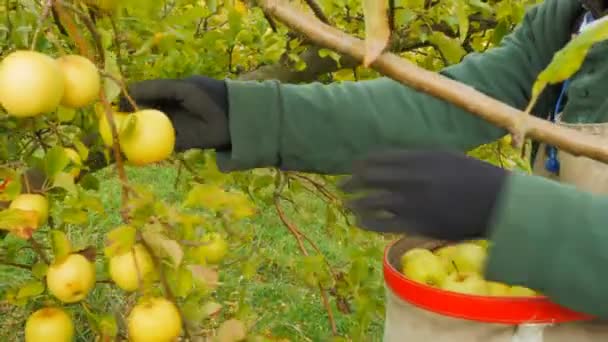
(439, 86)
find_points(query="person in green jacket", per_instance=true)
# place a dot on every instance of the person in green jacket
(547, 235)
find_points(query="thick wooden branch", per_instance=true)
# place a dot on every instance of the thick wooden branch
(435, 84)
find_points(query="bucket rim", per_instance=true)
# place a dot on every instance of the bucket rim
(488, 309)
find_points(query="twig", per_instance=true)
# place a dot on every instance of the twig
(320, 187)
(38, 249)
(439, 86)
(330, 313)
(86, 51)
(298, 235)
(116, 40)
(290, 226)
(316, 8)
(45, 13)
(270, 21)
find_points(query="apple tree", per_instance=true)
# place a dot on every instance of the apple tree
(64, 63)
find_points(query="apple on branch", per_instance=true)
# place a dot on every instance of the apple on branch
(31, 83)
(154, 320)
(147, 136)
(71, 279)
(32, 202)
(49, 324)
(126, 272)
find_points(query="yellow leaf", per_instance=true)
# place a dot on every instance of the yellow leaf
(205, 276)
(377, 31)
(21, 223)
(567, 61)
(163, 246)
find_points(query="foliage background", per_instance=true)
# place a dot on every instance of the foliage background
(265, 281)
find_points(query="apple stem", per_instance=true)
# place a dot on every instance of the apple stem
(455, 267)
(38, 249)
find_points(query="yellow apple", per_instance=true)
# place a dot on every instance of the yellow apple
(150, 138)
(214, 249)
(33, 202)
(82, 81)
(469, 257)
(123, 269)
(72, 279)
(76, 161)
(49, 324)
(445, 255)
(423, 266)
(466, 283)
(154, 320)
(498, 289)
(31, 83)
(521, 291)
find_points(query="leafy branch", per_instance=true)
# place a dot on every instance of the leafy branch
(439, 86)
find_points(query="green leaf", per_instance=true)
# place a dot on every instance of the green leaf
(450, 48)
(108, 326)
(60, 244)
(119, 241)
(211, 5)
(30, 289)
(111, 88)
(55, 161)
(463, 18)
(180, 280)
(89, 182)
(65, 181)
(72, 215)
(39, 270)
(65, 114)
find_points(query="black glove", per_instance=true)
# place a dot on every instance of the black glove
(436, 194)
(197, 107)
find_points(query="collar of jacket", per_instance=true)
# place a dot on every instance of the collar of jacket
(596, 7)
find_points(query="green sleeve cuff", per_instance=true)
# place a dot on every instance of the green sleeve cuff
(254, 110)
(552, 238)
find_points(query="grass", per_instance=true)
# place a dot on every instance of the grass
(284, 305)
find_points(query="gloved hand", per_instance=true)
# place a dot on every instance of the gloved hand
(437, 194)
(197, 107)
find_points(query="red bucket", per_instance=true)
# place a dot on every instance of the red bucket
(486, 309)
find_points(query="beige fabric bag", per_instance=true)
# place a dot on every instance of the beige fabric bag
(407, 323)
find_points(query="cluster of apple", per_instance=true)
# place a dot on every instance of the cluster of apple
(72, 278)
(458, 268)
(33, 83)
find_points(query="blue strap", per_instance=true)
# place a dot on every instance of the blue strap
(552, 163)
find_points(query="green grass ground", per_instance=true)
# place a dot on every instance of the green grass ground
(285, 306)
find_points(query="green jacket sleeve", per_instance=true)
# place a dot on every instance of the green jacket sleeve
(553, 238)
(323, 128)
